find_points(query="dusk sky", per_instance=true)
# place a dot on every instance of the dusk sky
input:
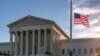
(56, 10)
(12, 10)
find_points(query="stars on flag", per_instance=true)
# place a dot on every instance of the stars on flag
(81, 19)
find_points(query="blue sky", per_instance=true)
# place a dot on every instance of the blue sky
(12, 10)
(91, 8)
(57, 10)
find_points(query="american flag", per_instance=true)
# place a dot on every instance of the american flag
(81, 19)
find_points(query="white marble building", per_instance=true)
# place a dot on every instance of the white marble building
(34, 36)
(81, 47)
(5, 48)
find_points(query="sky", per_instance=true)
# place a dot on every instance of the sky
(56, 10)
(92, 9)
(12, 10)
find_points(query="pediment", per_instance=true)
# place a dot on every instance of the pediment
(30, 21)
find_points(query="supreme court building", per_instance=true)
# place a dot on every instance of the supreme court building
(35, 36)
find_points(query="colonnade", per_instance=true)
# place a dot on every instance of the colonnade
(29, 42)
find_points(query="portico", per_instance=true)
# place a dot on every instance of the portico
(33, 35)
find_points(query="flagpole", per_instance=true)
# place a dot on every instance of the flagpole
(71, 20)
(71, 26)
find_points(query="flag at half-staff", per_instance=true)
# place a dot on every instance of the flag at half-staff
(81, 19)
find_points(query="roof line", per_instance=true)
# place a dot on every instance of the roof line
(53, 22)
(26, 18)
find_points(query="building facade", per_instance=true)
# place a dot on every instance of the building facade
(34, 36)
(81, 47)
(5, 48)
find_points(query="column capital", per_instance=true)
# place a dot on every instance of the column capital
(11, 32)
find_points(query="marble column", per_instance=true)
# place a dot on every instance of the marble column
(33, 42)
(59, 45)
(51, 41)
(45, 39)
(27, 41)
(16, 41)
(11, 42)
(21, 44)
(54, 43)
(48, 40)
(39, 40)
